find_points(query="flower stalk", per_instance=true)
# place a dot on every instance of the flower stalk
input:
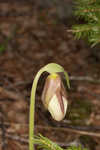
(51, 69)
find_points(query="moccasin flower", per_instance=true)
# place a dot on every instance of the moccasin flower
(54, 97)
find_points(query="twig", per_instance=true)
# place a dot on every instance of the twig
(17, 138)
(74, 129)
(84, 78)
(70, 130)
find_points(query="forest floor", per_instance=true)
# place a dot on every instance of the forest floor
(31, 37)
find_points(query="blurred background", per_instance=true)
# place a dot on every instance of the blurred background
(33, 34)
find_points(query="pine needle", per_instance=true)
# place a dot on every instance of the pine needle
(46, 144)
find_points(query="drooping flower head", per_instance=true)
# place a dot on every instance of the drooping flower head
(54, 97)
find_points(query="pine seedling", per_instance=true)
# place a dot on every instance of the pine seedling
(47, 144)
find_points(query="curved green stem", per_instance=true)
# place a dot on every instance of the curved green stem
(50, 68)
(32, 110)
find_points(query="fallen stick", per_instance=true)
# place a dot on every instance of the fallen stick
(78, 129)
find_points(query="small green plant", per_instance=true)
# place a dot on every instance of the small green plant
(89, 11)
(53, 96)
(47, 144)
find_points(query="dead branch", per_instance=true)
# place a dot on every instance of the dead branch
(67, 129)
(17, 138)
(74, 129)
(85, 78)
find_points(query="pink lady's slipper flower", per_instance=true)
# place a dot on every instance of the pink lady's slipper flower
(54, 97)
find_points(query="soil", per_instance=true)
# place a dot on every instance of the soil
(31, 36)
